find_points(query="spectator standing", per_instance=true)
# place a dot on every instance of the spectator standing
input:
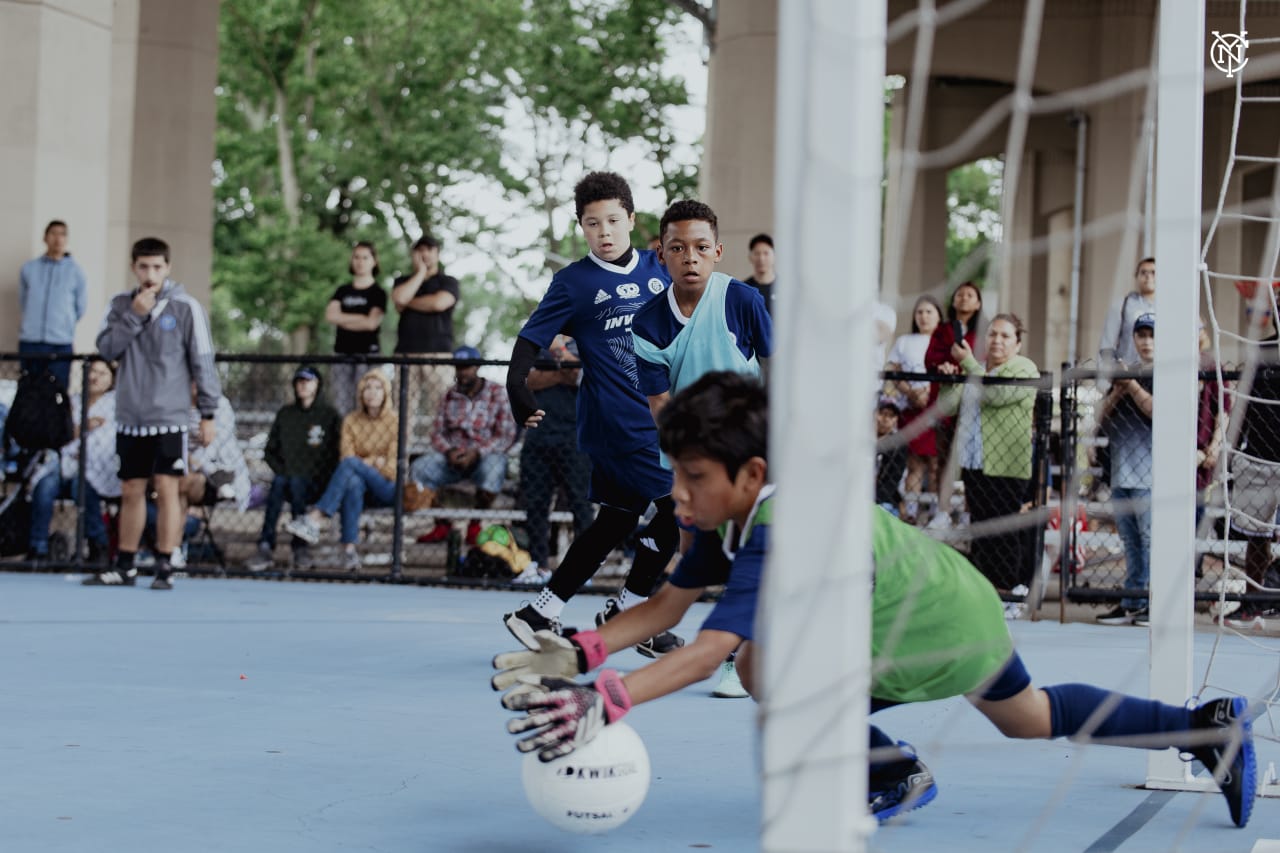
(100, 471)
(472, 432)
(762, 271)
(907, 356)
(302, 451)
(366, 471)
(356, 311)
(1255, 471)
(550, 460)
(993, 448)
(1116, 343)
(425, 299)
(160, 337)
(1126, 420)
(964, 323)
(53, 296)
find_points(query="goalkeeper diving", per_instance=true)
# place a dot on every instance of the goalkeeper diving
(937, 629)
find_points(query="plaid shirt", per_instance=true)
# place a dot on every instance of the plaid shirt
(482, 423)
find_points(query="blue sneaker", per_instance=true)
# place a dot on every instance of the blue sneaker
(897, 787)
(1239, 778)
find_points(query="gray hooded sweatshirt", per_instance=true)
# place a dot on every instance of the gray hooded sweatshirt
(160, 355)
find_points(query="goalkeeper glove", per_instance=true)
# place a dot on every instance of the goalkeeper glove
(563, 714)
(563, 657)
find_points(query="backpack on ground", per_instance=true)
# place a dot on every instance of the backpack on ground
(40, 417)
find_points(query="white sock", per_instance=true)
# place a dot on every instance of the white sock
(628, 599)
(548, 604)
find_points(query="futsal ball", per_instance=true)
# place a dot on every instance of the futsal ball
(595, 788)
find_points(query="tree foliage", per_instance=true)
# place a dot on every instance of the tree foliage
(973, 216)
(383, 119)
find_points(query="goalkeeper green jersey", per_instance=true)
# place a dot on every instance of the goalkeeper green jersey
(937, 625)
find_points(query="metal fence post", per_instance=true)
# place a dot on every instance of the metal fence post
(402, 466)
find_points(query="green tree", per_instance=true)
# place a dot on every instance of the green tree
(973, 217)
(381, 119)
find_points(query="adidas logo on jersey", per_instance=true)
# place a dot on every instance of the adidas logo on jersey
(601, 296)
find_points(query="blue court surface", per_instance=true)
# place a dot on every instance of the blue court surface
(237, 715)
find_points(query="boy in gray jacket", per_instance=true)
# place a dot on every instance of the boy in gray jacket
(160, 336)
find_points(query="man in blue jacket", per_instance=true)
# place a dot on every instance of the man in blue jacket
(53, 293)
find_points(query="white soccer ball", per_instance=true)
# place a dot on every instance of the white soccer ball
(595, 788)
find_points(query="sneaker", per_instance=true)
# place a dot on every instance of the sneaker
(263, 558)
(1238, 779)
(532, 576)
(900, 786)
(112, 577)
(730, 686)
(1117, 615)
(439, 533)
(659, 645)
(301, 558)
(351, 561)
(178, 559)
(304, 528)
(1142, 617)
(36, 559)
(1247, 616)
(473, 532)
(144, 560)
(654, 647)
(162, 581)
(525, 622)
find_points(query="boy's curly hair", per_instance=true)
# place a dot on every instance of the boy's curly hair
(602, 186)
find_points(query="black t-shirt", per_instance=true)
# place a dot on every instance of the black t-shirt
(560, 402)
(1261, 426)
(766, 290)
(354, 300)
(427, 331)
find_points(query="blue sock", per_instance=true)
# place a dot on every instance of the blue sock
(1071, 705)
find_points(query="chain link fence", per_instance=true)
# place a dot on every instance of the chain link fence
(405, 498)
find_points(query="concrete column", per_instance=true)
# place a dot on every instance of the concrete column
(738, 150)
(55, 58)
(921, 245)
(174, 120)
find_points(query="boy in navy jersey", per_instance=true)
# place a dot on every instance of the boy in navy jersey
(705, 322)
(593, 300)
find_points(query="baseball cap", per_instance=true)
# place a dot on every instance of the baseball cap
(306, 371)
(468, 353)
(887, 402)
(1145, 321)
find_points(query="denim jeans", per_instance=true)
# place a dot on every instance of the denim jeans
(1133, 523)
(299, 491)
(49, 490)
(431, 470)
(347, 489)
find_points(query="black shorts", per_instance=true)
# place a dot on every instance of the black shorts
(141, 456)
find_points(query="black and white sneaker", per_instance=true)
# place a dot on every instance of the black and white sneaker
(1118, 615)
(112, 577)
(654, 647)
(525, 622)
(1232, 759)
(900, 786)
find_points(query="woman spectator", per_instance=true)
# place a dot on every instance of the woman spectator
(100, 474)
(366, 472)
(907, 356)
(993, 447)
(356, 310)
(964, 323)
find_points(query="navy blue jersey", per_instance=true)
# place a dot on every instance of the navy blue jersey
(594, 301)
(709, 563)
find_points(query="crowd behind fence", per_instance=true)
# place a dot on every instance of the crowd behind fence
(415, 510)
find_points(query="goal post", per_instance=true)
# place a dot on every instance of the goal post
(1179, 145)
(815, 612)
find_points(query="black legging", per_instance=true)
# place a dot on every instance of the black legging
(1004, 558)
(657, 542)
